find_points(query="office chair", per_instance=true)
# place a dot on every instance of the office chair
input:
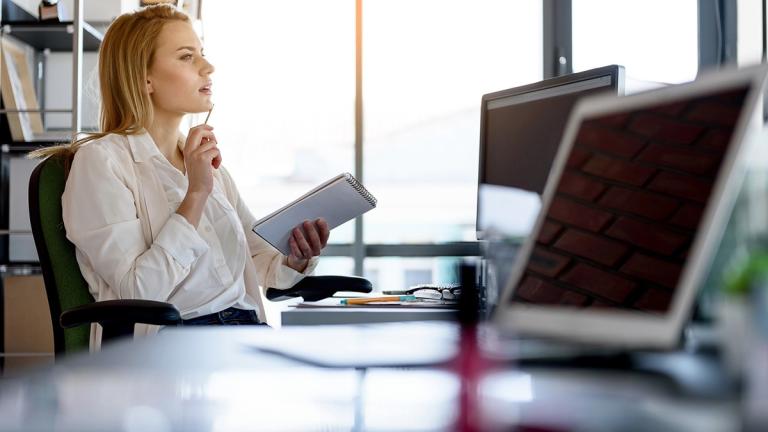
(69, 299)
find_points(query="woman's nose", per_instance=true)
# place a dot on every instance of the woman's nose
(207, 68)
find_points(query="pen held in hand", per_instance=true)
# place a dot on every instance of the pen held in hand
(216, 162)
(209, 114)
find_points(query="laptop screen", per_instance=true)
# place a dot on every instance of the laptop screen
(628, 205)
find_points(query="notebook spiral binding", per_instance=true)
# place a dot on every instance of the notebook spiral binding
(360, 188)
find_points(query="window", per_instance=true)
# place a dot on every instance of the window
(659, 43)
(396, 273)
(284, 116)
(284, 96)
(335, 266)
(425, 66)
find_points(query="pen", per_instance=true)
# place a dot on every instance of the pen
(209, 114)
(364, 300)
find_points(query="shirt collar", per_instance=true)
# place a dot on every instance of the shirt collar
(144, 148)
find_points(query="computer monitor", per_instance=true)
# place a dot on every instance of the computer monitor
(639, 194)
(520, 130)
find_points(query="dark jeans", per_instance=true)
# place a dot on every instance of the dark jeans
(229, 316)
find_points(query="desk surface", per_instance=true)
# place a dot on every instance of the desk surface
(293, 315)
(211, 379)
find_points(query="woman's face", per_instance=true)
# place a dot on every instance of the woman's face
(179, 80)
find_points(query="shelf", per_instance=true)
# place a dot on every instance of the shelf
(56, 36)
(45, 34)
(25, 147)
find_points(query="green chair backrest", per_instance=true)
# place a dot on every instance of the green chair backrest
(64, 284)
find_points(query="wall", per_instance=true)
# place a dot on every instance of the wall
(27, 334)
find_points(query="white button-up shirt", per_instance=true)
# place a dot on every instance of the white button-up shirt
(119, 208)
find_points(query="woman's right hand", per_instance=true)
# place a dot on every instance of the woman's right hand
(201, 156)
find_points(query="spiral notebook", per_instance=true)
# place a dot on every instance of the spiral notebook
(338, 200)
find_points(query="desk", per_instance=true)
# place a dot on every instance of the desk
(211, 379)
(345, 315)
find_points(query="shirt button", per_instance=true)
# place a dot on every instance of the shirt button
(207, 228)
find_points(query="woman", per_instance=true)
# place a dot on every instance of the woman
(154, 215)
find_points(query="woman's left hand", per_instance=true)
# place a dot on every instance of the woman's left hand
(307, 241)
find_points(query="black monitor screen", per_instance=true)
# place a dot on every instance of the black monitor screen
(520, 134)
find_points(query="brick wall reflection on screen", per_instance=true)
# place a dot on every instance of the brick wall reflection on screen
(628, 204)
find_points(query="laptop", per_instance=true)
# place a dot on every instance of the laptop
(635, 206)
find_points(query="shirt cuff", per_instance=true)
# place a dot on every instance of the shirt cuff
(181, 240)
(311, 265)
(289, 277)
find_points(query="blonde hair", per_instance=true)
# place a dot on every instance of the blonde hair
(125, 56)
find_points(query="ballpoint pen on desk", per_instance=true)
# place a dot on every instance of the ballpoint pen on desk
(364, 300)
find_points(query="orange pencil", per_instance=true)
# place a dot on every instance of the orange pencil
(364, 300)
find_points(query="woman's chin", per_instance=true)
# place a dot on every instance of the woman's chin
(206, 101)
(202, 108)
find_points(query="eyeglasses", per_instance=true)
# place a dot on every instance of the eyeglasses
(431, 291)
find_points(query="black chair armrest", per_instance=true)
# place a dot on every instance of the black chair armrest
(121, 313)
(314, 288)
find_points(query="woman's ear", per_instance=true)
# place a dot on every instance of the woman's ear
(150, 90)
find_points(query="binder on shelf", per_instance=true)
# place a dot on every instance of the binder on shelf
(338, 200)
(19, 93)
